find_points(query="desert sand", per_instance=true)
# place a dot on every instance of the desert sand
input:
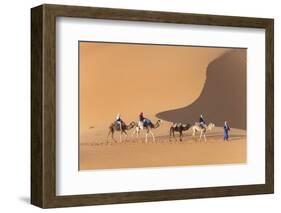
(171, 83)
(130, 78)
(133, 153)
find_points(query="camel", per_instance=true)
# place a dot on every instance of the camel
(148, 128)
(115, 127)
(178, 128)
(202, 129)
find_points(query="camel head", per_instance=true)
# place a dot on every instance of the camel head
(211, 126)
(158, 123)
(132, 125)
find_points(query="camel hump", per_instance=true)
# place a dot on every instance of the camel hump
(176, 125)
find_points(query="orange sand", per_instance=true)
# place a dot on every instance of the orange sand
(136, 154)
(129, 79)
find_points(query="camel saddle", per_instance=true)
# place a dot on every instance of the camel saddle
(117, 125)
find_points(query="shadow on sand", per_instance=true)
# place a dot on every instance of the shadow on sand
(223, 96)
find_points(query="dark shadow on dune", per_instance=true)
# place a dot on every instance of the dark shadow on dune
(223, 96)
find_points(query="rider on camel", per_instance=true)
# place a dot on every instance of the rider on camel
(119, 121)
(144, 120)
(202, 122)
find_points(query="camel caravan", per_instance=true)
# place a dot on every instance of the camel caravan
(147, 126)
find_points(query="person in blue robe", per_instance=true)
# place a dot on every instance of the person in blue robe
(226, 129)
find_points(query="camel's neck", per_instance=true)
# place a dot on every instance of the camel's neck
(130, 126)
(157, 124)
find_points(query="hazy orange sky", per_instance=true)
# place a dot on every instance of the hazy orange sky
(132, 78)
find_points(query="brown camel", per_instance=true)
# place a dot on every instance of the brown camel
(178, 128)
(116, 127)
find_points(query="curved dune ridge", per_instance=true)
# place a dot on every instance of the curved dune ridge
(223, 97)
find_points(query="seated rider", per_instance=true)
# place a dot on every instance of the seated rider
(119, 121)
(144, 120)
(202, 122)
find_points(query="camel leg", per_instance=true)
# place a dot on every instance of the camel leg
(146, 134)
(205, 138)
(172, 133)
(174, 136)
(180, 135)
(108, 137)
(120, 137)
(152, 136)
(200, 136)
(193, 134)
(137, 134)
(133, 134)
(112, 136)
(126, 135)
(139, 131)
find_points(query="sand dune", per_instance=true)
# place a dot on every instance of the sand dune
(223, 96)
(131, 78)
(159, 78)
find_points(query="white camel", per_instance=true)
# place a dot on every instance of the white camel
(202, 129)
(148, 128)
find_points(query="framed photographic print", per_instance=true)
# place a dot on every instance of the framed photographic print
(136, 106)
